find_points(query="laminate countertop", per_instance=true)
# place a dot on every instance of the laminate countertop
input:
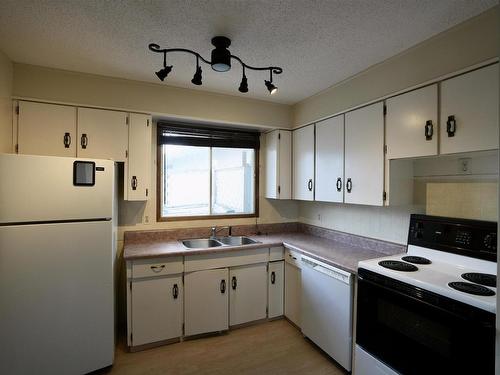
(343, 255)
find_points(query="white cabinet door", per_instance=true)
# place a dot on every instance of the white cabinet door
(330, 160)
(412, 124)
(303, 163)
(46, 129)
(469, 111)
(278, 164)
(293, 291)
(248, 294)
(276, 289)
(102, 134)
(138, 172)
(364, 155)
(156, 305)
(206, 301)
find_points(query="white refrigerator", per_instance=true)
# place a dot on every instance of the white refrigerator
(57, 239)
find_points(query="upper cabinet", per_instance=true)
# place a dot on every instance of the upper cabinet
(303, 163)
(278, 164)
(63, 130)
(412, 123)
(364, 155)
(46, 129)
(102, 134)
(469, 111)
(138, 169)
(329, 166)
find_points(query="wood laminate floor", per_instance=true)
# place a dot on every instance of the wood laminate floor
(268, 348)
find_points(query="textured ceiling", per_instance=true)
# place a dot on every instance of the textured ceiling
(318, 43)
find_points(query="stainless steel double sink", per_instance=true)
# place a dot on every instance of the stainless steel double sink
(218, 241)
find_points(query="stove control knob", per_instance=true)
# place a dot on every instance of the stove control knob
(490, 241)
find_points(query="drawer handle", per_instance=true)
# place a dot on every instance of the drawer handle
(84, 141)
(223, 286)
(67, 140)
(429, 130)
(175, 291)
(451, 126)
(133, 183)
(339, 184)
(234, 283)
(348, 185)
(310, 184)
(157, 269)
(273, 277)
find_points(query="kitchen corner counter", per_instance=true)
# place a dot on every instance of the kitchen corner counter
(340, 254)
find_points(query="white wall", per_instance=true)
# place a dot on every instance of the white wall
(384, 223)
(6, 74)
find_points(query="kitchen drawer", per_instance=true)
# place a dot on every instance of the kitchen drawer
(293, 257)
(276, 253)
(229, 259)
(156, 267)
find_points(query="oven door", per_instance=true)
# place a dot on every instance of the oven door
(414, 331)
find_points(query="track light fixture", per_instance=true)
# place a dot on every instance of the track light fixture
(163, 73)
(244, 83)
(220, 62)
(269, 84)
(197, 76)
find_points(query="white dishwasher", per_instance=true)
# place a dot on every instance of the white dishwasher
(327, 295)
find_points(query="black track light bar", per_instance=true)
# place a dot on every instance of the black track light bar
(220, 62)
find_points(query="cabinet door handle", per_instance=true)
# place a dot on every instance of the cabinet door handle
(84, 141)
(157, 269)
(67, 140)
(339, 184)
(234, 283)
(451, 126)
(429, 130)
(310, 184)
(133, 182)
(175, 291)
(348, 185)
(273, 277)
(223, 286)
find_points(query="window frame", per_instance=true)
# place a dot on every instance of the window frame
(159, 193)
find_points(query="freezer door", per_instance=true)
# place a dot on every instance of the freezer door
(42, 188)
(56, 298)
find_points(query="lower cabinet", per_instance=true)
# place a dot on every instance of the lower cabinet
(156, 309)
(275, 289)
(247, 294)
(206, 299)
(293, 291)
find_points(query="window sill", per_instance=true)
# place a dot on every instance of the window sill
(205, 217)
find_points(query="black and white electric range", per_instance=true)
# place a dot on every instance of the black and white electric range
(432, 310)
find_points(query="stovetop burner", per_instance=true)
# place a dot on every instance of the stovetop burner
(416, 260)
(470, 288)
(485, 279)
(397, 265)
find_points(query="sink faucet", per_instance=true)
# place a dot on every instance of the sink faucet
(214, 230)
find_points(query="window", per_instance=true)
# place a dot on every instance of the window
(206, 173)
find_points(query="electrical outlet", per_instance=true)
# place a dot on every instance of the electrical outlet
(319, 217)
(464, 166)
(146, 219)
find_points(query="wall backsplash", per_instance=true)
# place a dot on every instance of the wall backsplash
(470, 200)
(384, 223)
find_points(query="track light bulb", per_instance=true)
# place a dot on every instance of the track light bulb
(197, 76)
(163, 73)
(244, 84)
(272, 89)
